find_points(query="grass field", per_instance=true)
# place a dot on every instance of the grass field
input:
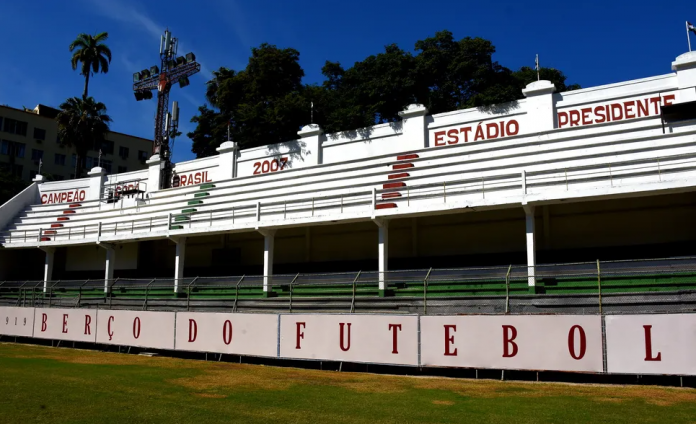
(41, 385)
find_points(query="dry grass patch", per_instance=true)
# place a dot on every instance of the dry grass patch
(443, 402)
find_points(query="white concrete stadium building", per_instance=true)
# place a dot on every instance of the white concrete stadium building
(604, 172)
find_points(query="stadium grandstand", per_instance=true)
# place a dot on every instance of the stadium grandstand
(540, 204)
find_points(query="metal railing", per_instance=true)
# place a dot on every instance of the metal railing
(598, 287)
(366, 201)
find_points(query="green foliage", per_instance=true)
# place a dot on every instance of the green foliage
(267, 103)
(10, 186)
(91, 54)
(82, 124)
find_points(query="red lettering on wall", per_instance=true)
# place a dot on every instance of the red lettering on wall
(394, 328)
(509, 335)
(574, 118)
(136, 328)
(344, 347)
(562, 119)
(88, 325)
(227, 332)
(69, 196)
(449, 340)
(44, 324)
(193, 330)
(300, 334)
(452, 134)
(65, 323)
(438, 139)
(648, 345)
(571, 342)
(108, 327)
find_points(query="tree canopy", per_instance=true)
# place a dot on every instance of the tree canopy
(82, 124)
(91, 54)
(267, 102)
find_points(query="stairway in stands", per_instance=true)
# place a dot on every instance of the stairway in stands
(67, 213)
(397, 180)
(186, 213)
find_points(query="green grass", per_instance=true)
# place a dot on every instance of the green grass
(40, 385)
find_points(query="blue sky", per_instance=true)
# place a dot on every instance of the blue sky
(592, 42)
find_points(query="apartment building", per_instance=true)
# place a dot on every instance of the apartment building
(29, 137)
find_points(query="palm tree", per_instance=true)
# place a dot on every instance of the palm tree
(92, 53)
(84, 124)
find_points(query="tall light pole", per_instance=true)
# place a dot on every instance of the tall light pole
(172, 70)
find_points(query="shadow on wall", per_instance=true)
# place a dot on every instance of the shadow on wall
(295, 150)
(500, 109)
(364, 133)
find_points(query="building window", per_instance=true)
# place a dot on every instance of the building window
(12, 148)
(60, 159)
(142, 155)
(13, 126)
(106, 147)
(36, 154)
(122, 169)
(123, 152)
(106, 164)
(40, 134)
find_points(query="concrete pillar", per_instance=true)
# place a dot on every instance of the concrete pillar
(110, 264)
(228, 154)
(154, 168)
(48, 266)
(415, 127)
(268, 247)
(311, 138)
(383, 254)
(96, 183)
(531, 245)
(685, 66)
(541, 109)
(179, 263)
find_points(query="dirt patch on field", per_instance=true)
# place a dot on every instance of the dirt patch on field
(210, 395)
(443, 402)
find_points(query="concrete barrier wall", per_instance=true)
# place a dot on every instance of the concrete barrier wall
(632, 344)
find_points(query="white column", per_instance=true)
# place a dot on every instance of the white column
(179, 263)
(311, 139)
(96, 183)
(227, 165)
(383, 254)
(541, 109)
(110, 264)
(154, 168)
(268, 247)
(48, 266)
(531, 244)
(415, 127)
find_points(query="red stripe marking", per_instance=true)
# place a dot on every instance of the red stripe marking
(390, 195)
(63, 218)
(385, 206)
(402, 166)
(75, 205)
(394, 185)
(56, 225)
(406, 157)
(402, 175)
(45, 239)
(68, 211)
(49, 231)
